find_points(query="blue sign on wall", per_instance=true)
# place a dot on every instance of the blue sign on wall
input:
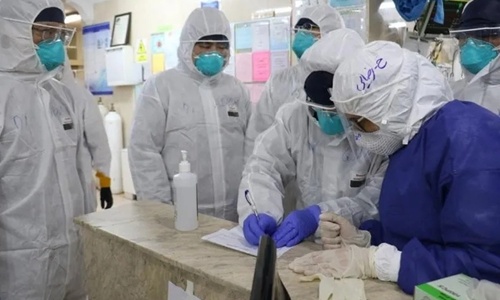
(340, 3)
(213, 4)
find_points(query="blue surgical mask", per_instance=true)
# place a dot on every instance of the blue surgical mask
(303, 41)
(210, 63)
(329, 122)
(52, 54)
(476, 54)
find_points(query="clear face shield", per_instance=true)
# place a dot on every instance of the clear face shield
(478, 46)
(351, 127)
(337, 124)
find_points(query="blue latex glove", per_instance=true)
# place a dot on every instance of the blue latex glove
(297, 226)
(254, 228)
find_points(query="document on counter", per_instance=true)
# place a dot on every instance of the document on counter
(234, 239)
(176, 293)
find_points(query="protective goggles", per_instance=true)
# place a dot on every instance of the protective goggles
(307, 27)
(49, 33)
(52, 34)
(487, 34)
(208, 43)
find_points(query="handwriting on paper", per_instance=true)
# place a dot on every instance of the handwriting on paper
(366, 79)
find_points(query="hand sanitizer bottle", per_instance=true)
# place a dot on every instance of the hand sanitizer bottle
(185, 197)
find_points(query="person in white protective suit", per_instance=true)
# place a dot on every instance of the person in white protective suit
(478, 33)
(309, 144)
(197, 108)
(94, 153)
(40, 189)
(314, 22)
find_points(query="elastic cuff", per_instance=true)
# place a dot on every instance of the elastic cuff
(104, 181)
(387, 262)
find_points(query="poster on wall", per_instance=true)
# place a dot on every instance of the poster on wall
(340, 3)
(280, 44)
(96, 39)
(172, 42)
(261, 49)
(354, 18)
(230, 68)
(354, 14)
(164, 50)
(157, 52)
(210, 3)
(253, 58)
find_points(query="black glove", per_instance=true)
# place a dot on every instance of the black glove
(106, 198)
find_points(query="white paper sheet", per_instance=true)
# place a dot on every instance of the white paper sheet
(234, 239)
(176, 293)
(260, 36)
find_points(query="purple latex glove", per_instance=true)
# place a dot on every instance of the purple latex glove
(254, 228)
(297, 226)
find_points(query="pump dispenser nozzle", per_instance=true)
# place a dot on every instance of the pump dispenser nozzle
(184, 166)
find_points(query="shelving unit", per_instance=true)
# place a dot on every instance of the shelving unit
(75, 49)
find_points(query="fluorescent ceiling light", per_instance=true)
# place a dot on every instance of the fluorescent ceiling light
(73, 18)
(278, 10)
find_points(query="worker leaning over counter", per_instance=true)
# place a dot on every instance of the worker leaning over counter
(194, 107)
(440, 200)
(478, 33)
(40, 188)
(307, 143)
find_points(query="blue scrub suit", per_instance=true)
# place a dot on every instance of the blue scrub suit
(440, 200)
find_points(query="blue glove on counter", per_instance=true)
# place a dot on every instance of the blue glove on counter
(297, 226)
(254, 228)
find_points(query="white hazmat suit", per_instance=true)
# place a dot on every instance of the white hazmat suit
(482, 88)
(294, 147)
(40, 189)
(94, 153)
(181, 109)
(280, 86)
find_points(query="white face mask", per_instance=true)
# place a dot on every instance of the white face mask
(378, 142)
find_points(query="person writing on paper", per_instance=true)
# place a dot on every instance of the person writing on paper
(439, 203)
(197, 108)
(307, 143)
(315, 21)
(40, 187)
(478, 33)
(95, 152)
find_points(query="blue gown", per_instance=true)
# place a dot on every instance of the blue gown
(440, 200)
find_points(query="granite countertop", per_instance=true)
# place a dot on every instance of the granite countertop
(149, 227)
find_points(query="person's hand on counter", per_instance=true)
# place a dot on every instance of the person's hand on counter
(346, 262)
(297, 226)
(256, 226)
(382, 262)
(336, 231)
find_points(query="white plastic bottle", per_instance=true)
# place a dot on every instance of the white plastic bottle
(185, 197)
(102, 108)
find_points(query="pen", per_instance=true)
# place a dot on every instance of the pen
(250, 202)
